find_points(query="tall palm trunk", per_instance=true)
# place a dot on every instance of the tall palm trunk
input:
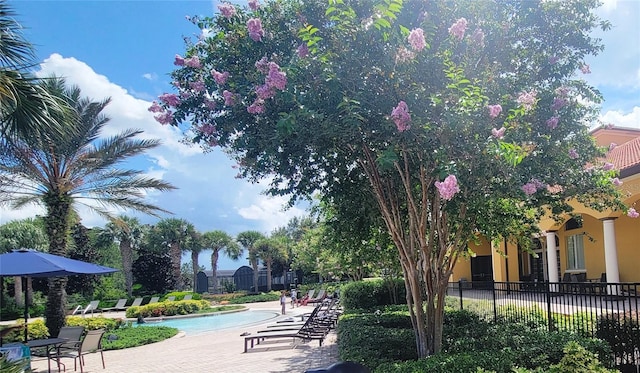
(127, 265)
(254, 265)
(57, 226)
(214, 269)
(17, 288)
(195, 266)
(268, 262)
(176, 256)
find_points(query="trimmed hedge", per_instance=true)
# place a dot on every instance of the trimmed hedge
(167, 308)
(372, 294)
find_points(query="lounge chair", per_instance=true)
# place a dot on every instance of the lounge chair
(92, 306)
(188, 297)
(154, 300)
(92, 342)
(318, 298)
(136, 302)
(120, 306)
(170, 298)
(308, 331)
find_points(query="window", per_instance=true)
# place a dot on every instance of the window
(575, 252)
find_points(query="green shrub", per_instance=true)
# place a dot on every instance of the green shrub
(369, 295)
(534, 317)
(93, 323)
(35, 330)
(622, 333)
(263, 297)
(180, 295)
(128, 336)
(499, 361)
(167, 308)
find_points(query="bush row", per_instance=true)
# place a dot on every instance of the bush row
(372, 294)
(167, 308)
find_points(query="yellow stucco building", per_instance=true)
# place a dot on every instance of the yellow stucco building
(604, 245)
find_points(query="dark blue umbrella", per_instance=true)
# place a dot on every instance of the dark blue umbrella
(32, 263)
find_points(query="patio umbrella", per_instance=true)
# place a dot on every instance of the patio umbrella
(32, 263)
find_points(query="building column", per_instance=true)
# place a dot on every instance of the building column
(611, 254)
(552, 259)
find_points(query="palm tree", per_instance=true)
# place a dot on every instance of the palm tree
(248, 239)
(195, 246)
(220, 241)
(23, 102)
(62, 170)
(269, 250)
(127, 233)
(175, 234)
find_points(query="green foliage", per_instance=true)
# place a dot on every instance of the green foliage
(180, 295)
(369, 295)
(93, 323)
(262, 297)
(16, 366)
(36, 330)
(167, 308)
(622, 332)
(127, 337)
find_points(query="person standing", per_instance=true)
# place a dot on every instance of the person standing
(294, 297)
(283, 301)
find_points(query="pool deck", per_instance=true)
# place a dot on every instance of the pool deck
(217, 351)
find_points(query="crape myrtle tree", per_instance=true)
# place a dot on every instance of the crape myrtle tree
(460, 118)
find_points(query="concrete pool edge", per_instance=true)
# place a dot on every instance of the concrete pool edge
(188, 316)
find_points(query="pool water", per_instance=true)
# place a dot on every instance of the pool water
(203, 324)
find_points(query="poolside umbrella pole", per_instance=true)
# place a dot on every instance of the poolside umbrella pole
(31, 263)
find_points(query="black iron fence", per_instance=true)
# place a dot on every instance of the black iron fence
(604, 310)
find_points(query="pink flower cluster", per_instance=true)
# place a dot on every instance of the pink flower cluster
(275, 80)
(617, 182)
(458, 28)
(607, 166)
(573, 154)
(527, 99)
(404, 55)
(170, 99)
(207, 129)
(254, 25)
(229, 98)
(494, 110)
(416, 39)
(558, 103)
(227, 10)
(193, 62)
(220, 78)
(303, 50)
(552, 123)
(612, 146)
(585, 69)
(532, 187)
(254, 4)
(178, 61)
(210, 103)
(257, 107)
(498, 133)
(155, 108)
(478, 38)
(401, 117)
(632, 213)
(197, 86)
(448, 188)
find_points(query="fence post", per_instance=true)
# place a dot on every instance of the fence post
(493, 294)
(548, 296)
(460, 291)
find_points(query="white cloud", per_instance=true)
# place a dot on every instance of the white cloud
(208, 194)
(150, 76)
(621, 119)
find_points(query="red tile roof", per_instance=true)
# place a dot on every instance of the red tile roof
(625, 155)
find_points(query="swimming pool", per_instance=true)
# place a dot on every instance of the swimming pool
(203, 324)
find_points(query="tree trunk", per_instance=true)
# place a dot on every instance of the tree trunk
(127, 265)
(57, 226)
(214, 269)
(268, 275)
(254, 265)
(176, 259)
(18, 291)
(195, 266)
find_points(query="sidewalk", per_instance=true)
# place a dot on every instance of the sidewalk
(217, 351)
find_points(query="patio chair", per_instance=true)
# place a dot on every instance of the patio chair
(91, 343)
(318, 298)
(188, 297)
(154, 300)
(171, 298)
(92, 306)
(136, 302)
(73, 335)
(120, 306)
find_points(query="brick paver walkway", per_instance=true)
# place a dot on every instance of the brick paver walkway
(217, 351)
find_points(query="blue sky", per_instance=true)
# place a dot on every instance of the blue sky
(125, 50)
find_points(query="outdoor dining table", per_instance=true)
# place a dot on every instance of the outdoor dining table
(47, 344)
